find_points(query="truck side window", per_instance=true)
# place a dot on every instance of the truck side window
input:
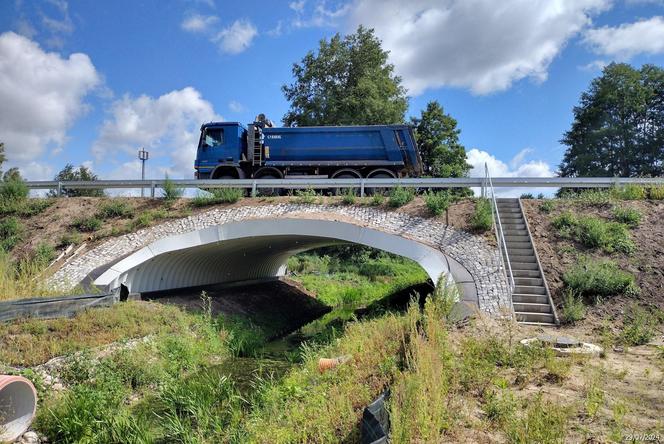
(214, 137)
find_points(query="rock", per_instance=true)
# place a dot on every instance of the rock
(30, 437)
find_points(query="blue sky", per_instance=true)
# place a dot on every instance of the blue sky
(91, 82)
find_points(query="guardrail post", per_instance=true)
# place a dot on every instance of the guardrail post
(59, 188)
(254, 191)
(152, 187)
(362, 187)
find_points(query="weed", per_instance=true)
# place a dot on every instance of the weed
(591, 198)
(115, 208)
(218, 196)
(146, 218)
(400, 196)
(543, 422)
(639, 326)
(594, 232)
(558, 369)
(87, 224)
(656, 193)
(594, 397)
(377, 199)
(599, 278)
(500, 406)
(573, 308)
(547, 206)
(170, 191)
(437, 202)
(627, 216)
(482, 218)
(43, 254)
(629, 192)
(348, 196)
(11, 233)
(70, 238)
(307, 196)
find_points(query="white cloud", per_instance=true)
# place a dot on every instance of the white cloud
(516, 167)
(236, 106)
(167, 126)
(629, 39)
(198, 23)
(320, 16)
(237, 37)
(41, 96)
(483, 45)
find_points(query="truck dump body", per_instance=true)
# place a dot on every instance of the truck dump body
(229, 150)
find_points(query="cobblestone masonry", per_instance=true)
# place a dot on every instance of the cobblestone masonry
(473, 252)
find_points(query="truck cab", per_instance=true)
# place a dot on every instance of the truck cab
(221, 148)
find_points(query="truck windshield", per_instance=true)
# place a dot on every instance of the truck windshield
(214, 136)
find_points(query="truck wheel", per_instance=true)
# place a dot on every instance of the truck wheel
(379, 190)
(340, 191)
(269, 191)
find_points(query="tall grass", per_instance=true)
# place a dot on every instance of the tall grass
(482, 218)
(597, 279)
(22, 279)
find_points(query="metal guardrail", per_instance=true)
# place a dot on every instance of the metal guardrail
(362, 184)
(498, 226)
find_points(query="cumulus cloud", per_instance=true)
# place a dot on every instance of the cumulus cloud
(320, 15)
(236, 106)
(629, 39)
(41, 96)
(237, 37)
(482, 45)
(515, 167)
(167, 126)
(198, 22)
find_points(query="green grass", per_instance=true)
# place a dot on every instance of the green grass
(482, 218)
(629, 192)
(115, 208)
(218, 196)
(597, 279)
(656, 193)
(400, 196)
(594, 232)
(170, 191)
(377, 199)
(628, 216)
(547, 206)
(437, 202)
(348, 196)
(307, 196)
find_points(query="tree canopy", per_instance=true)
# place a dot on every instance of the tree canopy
(438, 140)
(69, 173)
(348, 82)
(618, 127)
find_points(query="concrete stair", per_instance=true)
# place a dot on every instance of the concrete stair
(530, 298)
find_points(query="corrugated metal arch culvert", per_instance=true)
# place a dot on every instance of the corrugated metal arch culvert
(256, 249)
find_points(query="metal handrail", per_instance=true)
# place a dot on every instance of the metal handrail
(498, 226)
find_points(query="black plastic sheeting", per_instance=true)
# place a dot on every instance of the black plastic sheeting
(375, 421)
(58, 307)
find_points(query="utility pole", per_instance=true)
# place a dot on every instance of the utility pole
(143, 156)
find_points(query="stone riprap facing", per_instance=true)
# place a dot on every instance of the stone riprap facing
(480, 259)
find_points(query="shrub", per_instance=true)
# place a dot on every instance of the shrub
(596, 279)
(13, 190)
(437, 202)
(482, 218)
(573, 308)
(547, 206)
(348, 196)
(143, 220)
(377, 199)
(564, 220)
(629, 192)
(88, 224)
(639, 326)
(171, 192)
(527, 196)
(11, 233)
(656, 193)
(627, 216)
(307, 196)
(115, 208)
(400, 196)
(592, 198)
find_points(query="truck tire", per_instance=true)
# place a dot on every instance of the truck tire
(379, 190)
(346, 175)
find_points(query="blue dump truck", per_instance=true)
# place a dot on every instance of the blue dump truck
(229, 150)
